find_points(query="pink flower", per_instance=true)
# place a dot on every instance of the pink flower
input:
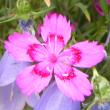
(73, 27)
(108, 2)
(98, 7)
(50, 58)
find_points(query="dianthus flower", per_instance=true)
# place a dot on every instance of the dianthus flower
(50, 58)
(49, 97)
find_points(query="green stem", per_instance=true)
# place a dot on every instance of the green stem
(91, 105)
(36, 14)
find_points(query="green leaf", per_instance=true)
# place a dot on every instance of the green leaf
(42, 11)
(84, 10)
(5, 19)
(26, 16)
(101, 87)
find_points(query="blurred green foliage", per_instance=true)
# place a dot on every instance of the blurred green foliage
(89, 25)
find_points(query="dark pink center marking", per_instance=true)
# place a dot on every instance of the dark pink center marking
(77, 54)
(32, 51)
(67, 75)
(42, 73)
(59, 37)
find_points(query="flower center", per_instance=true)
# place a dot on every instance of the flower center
(53, 58)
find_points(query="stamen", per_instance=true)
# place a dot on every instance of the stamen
(55, 42)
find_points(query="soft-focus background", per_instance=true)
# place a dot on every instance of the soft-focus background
(90, 20)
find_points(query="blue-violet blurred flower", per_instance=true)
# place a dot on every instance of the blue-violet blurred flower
(12, 99)
(9, 69)
(101, 106)
(27, 26)
(53, 99)
(10, 96)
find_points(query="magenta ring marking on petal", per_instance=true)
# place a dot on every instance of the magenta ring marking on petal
(31, 50)
(42, 73)
(77, 54)
(67, 75)
(55, 43)
(60, 37)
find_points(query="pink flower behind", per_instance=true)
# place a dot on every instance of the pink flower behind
(108, 2)
(98, 7)
(49, 58)
(73, 27)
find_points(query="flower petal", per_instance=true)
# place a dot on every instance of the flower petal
(90, 54)
(75, 87)
(55, 44)
(52, 96)
(37, 52)
(11, 98)
(66, 57)
(9, 69)
(18, 45)
(32, 100)
(101, 106)
(34, 78)
(63, 71)
(56, 25)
